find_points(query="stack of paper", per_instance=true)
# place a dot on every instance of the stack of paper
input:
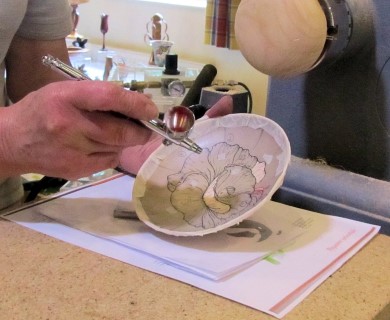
(213, 256)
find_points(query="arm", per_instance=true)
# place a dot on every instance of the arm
(25, 71)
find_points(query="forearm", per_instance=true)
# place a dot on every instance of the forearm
(8, 166)
(25, 71)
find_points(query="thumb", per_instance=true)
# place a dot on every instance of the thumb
(221, 108)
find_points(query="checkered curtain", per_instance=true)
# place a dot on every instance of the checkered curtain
(219, 29)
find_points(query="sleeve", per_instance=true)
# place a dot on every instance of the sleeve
(46, 20)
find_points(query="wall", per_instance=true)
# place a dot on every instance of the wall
(127, 27)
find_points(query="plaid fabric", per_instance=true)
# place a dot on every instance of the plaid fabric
(219, 26)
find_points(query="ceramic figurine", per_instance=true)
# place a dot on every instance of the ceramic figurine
(156, 29)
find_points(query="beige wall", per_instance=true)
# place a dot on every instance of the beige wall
(127, 26)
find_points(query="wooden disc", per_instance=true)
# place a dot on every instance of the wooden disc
(281, 38)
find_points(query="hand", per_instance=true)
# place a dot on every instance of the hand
(132, 158)
(65, 129)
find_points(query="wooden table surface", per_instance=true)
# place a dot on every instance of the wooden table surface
(45, 278)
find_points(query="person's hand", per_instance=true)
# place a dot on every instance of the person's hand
(132, 158)
(66, 130)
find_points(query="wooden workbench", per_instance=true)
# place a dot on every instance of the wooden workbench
(45, 278)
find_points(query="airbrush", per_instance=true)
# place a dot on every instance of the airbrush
(176, 126)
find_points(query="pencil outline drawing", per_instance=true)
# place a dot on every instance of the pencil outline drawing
(216, 186)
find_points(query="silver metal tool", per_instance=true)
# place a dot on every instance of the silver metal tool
(177, 122)
(61, 67)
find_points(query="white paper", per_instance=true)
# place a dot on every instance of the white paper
(213, 256)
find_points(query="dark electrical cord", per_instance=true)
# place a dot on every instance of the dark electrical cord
(250, 98)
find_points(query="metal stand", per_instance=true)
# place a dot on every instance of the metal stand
(339, 113)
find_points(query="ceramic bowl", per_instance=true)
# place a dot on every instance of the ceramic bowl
(243, 163)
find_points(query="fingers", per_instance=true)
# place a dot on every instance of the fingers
(105, 96)
(223, 107)
(86, 165)
(133, 158)
(93, 102)
(68, 131)
(112, 131)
